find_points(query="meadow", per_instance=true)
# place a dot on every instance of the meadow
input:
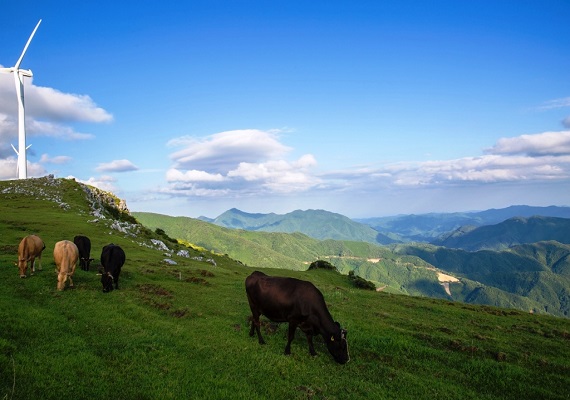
(180, 330)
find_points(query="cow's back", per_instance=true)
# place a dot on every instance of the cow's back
(83, 244)
(280, 298)
(65, 255)
(30, 246)
(112, 257)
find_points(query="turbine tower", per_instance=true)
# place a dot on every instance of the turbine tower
(19, 75)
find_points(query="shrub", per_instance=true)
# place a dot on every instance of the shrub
(322, 264)
(360, 282)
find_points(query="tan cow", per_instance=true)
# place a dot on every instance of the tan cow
(30, 247)
(65, 255)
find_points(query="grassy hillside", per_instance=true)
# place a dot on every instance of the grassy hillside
(181, 331)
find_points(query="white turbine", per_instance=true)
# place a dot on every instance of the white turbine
(19, 75)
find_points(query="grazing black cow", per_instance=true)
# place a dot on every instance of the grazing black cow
(84, 246)
(300, 304)
(112, 259)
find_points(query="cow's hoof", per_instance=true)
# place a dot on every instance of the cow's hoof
(22, 276)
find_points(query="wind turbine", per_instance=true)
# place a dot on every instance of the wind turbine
(19, 75)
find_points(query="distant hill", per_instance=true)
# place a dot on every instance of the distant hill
(427, 227)
(508, 233)
(318, 224)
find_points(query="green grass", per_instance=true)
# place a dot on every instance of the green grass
(181, 331)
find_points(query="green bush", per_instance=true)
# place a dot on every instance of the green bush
(322, 264)
(360, 282)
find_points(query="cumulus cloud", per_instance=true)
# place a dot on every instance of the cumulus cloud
(547, 143)
(48, 111)
(49, 103)
(117, 166)
(240, 162)
(104, 182)
(543, 157)
(8, 169)
(539, 158)
(222, 151)
(174, 175)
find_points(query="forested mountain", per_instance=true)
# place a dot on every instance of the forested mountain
(318, 224)
(508, 233)
(321, 224)
(535, 276)
(428, 227)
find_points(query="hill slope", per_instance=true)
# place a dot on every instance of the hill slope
(181, 331)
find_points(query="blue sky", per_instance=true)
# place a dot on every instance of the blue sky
(365, 108)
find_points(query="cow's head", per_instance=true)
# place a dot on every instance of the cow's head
(338, 346)
(85, 263)
(107, 282)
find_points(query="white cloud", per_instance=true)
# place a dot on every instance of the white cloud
(547, 143)
(45, 158)
(174, 175)
(8, 169)
(238, 163)
(45, 102)
(223, 151)
(511, 165)
(117, 166)
(48, 112)
(104, 182)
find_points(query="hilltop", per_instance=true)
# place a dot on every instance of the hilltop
(178, 327)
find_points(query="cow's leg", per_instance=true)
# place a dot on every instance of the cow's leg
(310, 342)
(33, 265)
(70, 281)
(116, 279)
(256, 326)
(40, 262)
(61, 278)
(290, 336)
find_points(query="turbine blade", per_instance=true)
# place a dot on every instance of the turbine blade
(26, 47)
(15, 149)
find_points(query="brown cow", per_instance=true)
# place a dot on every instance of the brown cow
(65, 255)
(30, 247)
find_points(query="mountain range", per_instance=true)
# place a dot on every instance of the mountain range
(428, 228)
(521, 262)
